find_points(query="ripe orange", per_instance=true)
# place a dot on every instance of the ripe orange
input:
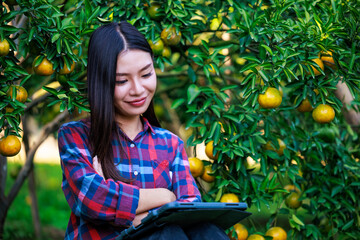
(320, 64)
(241, 232)
(196, 166)
(4, 47)
(292, 200)
(305, 106)
(66, 70)
(154, 11)
(157, 46)
(21, 93)
(277, 233)
(229, 198)
(206, 176)
(327, 59)
(170, 36)
(10, 146)
(270, 99)
(45, 68)
(280, 150)
(323, 113)
(255, 237)
(209, 150)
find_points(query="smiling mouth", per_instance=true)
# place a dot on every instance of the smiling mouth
(138, 102)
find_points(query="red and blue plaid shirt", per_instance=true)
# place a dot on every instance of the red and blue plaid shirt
(101, 209)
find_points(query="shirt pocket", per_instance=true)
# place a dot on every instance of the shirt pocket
(162, 174)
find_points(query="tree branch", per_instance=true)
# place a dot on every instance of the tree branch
(46, 131)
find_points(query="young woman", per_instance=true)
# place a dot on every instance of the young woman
(119, 164)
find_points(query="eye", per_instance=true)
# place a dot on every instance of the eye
(120, 82)
(147, 75)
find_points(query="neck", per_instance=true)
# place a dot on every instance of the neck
(131, 127)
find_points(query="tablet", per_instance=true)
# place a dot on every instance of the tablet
(187, 214)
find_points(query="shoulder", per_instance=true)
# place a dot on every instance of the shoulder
(166, 135)
(82, 127)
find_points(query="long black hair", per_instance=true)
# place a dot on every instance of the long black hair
(106, 43)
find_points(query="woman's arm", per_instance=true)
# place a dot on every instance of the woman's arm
(148, 198)
(89, 195)
(153, 198)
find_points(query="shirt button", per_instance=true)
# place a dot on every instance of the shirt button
(132, 145)
(136, 173)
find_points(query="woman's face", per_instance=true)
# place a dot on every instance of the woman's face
(135, 83)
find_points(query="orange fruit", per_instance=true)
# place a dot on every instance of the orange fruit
(170, 36)
(66, 70)
(196, 166)
(252, 165)
(21, 93)
(323, 113)
(229, 198)
(305, 106)
(280, 150)
(241, 232)
(320, 64)
(270, 99)
(45, 68)
(157, 46)
(206, 176)
(292, 200)
(166, 52)
(277, 233)
(4, 47)
(154, 11)
(9, 109)
(10, 146)
(209, 150)
(291, 188)
(255, 237)
(327, 59)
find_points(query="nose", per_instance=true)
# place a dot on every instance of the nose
(137, 87)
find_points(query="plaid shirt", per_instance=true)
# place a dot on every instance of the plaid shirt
(101, 209)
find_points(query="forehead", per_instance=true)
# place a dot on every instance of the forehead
(132, 60)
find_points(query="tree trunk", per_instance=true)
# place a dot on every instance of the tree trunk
(6, 201)
(343, 93)
(31, 183)
(3, 200)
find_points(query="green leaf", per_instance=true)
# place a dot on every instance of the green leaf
(297, 220)
(55, 37)
(177, 103)
(192, 92)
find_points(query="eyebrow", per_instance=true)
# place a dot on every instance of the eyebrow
(143, 69)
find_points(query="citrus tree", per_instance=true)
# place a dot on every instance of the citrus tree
(271, 88)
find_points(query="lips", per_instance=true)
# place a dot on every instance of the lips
(138, 102)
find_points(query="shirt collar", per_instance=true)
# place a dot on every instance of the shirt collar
(147, 125)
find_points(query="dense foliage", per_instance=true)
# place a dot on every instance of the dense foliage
(229, 53)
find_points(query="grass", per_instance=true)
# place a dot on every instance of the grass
(53, 209)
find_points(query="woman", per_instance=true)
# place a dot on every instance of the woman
(119, 164)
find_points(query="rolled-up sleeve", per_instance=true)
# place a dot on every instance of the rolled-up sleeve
(184, 185)
(89, 195)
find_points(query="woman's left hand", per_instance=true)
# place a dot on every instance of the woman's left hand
(97, 166)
